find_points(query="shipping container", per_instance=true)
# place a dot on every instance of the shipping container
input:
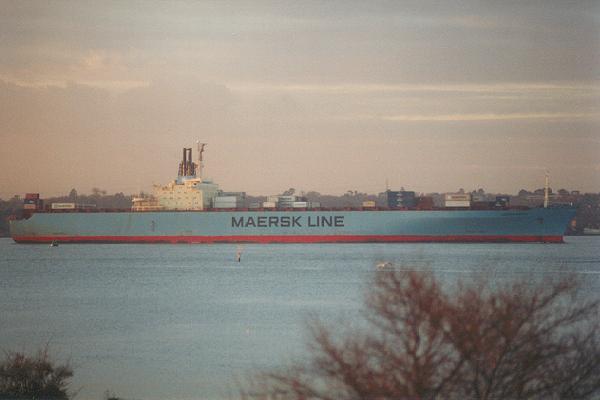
(30, 196)
(269, 204)
(254, 205)
(368, 204)
(300, 204)
(503, 199)
(482, 205)
(287, 198)
(285, 205)
(458, 203)
(231, 199)
(272, 199)
(314, 204)
(458, 197)
(224, 202)
(30, 206)
(63, 206)
(407, 203)
(425, 203)
(239, 195)
(225, 205)
(401, 199)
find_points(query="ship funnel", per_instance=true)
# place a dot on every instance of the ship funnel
(187, 167)
(182, 164)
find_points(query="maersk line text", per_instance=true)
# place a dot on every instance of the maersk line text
(286, 221)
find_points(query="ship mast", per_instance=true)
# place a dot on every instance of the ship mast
(546, 195)
(200, 162)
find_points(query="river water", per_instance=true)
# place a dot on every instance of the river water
(188, 321)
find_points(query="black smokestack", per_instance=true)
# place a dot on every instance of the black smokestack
(189, 160)
(185, 162)
(182, 164)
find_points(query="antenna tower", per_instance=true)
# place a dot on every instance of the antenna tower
(200, 159)
(546, 194)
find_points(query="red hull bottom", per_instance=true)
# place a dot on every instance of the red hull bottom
(293, 239)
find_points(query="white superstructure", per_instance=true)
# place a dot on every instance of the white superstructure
(187, 192)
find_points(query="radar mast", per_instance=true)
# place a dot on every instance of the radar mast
(200, 159)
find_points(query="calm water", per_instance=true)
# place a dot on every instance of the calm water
(184, 321)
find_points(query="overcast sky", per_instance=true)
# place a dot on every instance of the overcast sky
(327, 96)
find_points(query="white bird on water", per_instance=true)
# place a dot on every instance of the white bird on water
(384, 265)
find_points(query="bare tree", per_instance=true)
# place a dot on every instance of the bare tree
(516, 342)
(33, 377)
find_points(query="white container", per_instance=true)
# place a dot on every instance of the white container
(287, 198)
(299, 204)
(269, 204)
(458, 197)
(272, 199)
(224, 205)
(226, 199)
(314, 204)
(63, 206)
(369, 203)
(458, 203)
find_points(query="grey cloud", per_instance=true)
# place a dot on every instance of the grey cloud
(81, 136)
(280, 89)
(312, 41)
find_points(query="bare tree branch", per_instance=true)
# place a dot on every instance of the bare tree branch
(517, 341)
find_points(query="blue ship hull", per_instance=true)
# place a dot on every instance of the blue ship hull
(532, 225)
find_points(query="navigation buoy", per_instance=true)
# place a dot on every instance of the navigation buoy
(238, 255)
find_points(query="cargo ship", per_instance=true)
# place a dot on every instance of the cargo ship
(192, 209)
